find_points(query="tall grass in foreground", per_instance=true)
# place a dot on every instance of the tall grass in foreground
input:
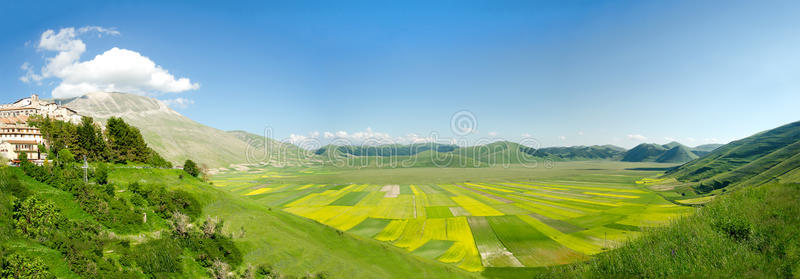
(752, 233)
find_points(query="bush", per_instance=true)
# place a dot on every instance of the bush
(36, 218)
(19, 266)
(65, 157)
(191, 168)
(101, 174)
(9, 183)
(165, 203)
(209, 249)
(158, 257)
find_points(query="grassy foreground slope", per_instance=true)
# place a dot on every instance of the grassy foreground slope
(751, 233)
(290, 244)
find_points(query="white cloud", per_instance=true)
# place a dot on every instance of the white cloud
(180, 103)
(562, 138)
(114, 70)
(580, 133)
(526, 135)
(371, 137)
(100, 30)
(637, 137)
(492, 134)
(691, 139)
(297, 139)
(670, 139)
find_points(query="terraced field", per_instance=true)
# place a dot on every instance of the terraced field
(474, 225)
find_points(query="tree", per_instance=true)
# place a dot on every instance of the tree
(125, 141)
(22, 157)
(36, 218)
(65, 157)
(155, 159)
(90, 141)
(180, 224)
(101, 174)
(19, 266)
(211, 227)
(219, 270)
(191, 168)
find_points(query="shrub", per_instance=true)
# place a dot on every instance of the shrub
(101, 174)
(9, 183)
(36, 218)
(191, 168)
(158, 257)
(19, 266)
(65, 157)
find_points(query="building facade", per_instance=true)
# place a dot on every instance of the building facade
(17, 136)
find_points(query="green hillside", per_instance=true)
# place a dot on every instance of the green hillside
(672, 152)
(703, 150)
(749, 231)
(677, 154)
(594, 152)
(671, 144)
(753, 159)
(645, 152)
(495, 153)
(707, 147)
(291, 245)
(388, 149)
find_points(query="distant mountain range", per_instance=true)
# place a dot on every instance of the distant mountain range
(672, 152)
(178, 138)
(514, 153)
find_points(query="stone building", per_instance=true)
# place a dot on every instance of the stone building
(16, 135)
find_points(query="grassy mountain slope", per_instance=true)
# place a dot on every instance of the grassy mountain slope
(388, 149)
(748, 232)
(671, 144)
(770, 153)
(276, 153)
(677, 154)
(495, 153)
(594, 152)
(707, 147)
(751, 233)
(171, 134)
(290, 244)
(645, 152)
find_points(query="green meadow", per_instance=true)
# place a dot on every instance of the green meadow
(472, 218)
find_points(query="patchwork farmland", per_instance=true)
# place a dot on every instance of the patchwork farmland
(474, 225)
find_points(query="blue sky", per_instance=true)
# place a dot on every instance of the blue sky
(562, 72)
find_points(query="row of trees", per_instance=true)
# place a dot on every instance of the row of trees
(119, 142)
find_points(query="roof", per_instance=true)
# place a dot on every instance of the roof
(14, 119)
(22, 142)
(17, 108)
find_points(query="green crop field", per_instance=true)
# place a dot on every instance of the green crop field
(472, 218)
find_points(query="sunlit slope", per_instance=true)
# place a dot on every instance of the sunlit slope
(677, 154)
(293, 245)
(755, 159)
(645, 152)
(171, 134)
